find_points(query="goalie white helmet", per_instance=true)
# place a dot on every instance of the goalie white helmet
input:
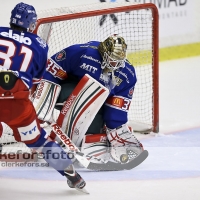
(113, 52)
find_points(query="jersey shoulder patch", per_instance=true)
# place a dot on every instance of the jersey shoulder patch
(42, 43)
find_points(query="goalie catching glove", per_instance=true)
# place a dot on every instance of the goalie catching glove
(119, 144)
(124, 145)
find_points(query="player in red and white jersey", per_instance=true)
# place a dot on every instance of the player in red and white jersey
(23, 60)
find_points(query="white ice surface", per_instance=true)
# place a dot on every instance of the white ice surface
(179, 94)
(172, 170)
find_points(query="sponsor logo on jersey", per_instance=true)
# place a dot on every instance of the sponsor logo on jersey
(124, 75)
(41, 42)
(60, 56)
(90, 58)
(84, 46)
(119, 102)
(89, 68)
(130, 94)
(93, 47)
(115, 101)
(132, 73)
(20, 38)
(30, 131)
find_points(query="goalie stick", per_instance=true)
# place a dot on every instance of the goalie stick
(88, 164)
(111, 166)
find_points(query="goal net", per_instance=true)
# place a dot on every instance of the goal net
(137, 23)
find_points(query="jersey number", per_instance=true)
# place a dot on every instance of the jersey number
(126, 104)
(10, 52)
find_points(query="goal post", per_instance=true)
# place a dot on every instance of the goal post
(137, 23)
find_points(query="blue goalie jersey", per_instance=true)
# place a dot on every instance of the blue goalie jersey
(81, 59)
(24, 53)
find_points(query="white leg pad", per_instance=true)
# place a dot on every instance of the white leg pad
(81, 107)
(96, 145)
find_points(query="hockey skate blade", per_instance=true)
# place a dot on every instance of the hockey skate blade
(83, 190)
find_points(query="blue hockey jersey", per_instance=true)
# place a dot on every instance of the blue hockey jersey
(85, 58)
(24, 53)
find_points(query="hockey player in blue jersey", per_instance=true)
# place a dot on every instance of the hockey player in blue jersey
(23, 60)
(106, 63)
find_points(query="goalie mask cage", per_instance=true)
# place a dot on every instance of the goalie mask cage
(137, 23)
